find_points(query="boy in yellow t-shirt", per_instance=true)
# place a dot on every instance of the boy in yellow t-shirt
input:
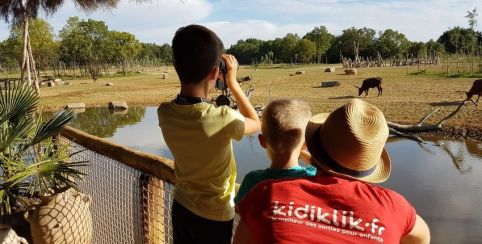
(199, 135)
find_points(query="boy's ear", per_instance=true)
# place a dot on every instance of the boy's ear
(262, 140)
(304, 147)
(213, 74)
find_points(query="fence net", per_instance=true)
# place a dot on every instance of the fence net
(127, 205)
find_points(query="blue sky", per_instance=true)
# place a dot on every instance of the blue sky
(157, 20)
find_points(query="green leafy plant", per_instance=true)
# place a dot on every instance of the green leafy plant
(33, 162)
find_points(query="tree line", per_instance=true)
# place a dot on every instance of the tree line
(319, 46)
(86, 46)
(90, 47)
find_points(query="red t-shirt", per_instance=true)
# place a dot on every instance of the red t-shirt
(325, 209)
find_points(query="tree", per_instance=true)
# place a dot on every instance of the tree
(288, 47)
(305, 50)
(392, 43)
(8, 56)
(459, 40)
(86, 43)
(435, 48)
(150, 51)
(418, 49)
(354, 39)
(44, 48)
(22, 11)
(246, 51)
(472, 18)
(322, 40)
(125, 48)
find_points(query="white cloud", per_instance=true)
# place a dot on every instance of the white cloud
(231, 32)
(157, 21)
(420, 20)
(148, 21)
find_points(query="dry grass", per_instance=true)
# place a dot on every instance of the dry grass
(406, 98)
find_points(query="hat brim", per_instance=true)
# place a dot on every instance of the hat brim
(312, 137)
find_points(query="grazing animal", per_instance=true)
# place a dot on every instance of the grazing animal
(371, 83)
(244, 79)
(475, 90)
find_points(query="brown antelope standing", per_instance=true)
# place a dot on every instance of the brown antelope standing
(371, 83)
(475, 90)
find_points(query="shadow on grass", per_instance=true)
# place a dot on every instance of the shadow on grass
(342, 97)
(445, 103)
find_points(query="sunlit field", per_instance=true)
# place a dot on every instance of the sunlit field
(406, 96)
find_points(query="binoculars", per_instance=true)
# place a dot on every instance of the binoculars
(223, 99)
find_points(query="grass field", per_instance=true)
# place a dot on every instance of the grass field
(406, 97)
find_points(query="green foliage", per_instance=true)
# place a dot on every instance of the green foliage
(435, 48)
(322, 40)
(305, 51)
(364, 38)
(152, 51)
(125, 48)
(85, 42)
(418, 49)
(392, 43)
(460, 40)
(248, 51)
(44, 47)
(32, 162)
(288, 47)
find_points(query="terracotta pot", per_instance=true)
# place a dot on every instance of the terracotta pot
(63, 218)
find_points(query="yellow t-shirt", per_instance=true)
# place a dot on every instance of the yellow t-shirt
(199, 137)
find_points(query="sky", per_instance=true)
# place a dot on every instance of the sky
(157, 20)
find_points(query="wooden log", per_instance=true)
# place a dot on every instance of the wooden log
(153, 209)
(160, 167)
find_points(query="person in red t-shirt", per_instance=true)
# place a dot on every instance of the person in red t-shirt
(338, 205)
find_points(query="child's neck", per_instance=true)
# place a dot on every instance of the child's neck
(284, 161)
(191, 90)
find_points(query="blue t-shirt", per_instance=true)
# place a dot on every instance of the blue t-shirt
(256, 176)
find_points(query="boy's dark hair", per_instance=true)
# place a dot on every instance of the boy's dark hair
(196, 50)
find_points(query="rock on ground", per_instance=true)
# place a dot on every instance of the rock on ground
(118, 105)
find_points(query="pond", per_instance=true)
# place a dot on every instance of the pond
(443, 183)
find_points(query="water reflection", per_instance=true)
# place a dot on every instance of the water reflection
(444, 182)
(104, 122)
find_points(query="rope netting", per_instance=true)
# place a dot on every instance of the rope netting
(131, 192)
(127, 205)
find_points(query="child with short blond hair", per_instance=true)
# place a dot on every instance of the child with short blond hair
(283, 126)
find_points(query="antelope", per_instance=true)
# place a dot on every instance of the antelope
(475, 90)
(371, 83)
(244, 79)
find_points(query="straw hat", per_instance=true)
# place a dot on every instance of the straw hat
(349, 142)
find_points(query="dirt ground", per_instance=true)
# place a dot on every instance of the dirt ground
(406, 97)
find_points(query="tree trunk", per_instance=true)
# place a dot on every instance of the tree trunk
(35, 83)
(26, 56)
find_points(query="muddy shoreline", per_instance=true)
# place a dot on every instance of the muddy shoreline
(459, 133)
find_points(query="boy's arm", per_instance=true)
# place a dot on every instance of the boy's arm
(242, 233)
(252, 123)
(420, 233)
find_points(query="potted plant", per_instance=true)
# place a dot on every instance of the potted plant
(36, 174)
